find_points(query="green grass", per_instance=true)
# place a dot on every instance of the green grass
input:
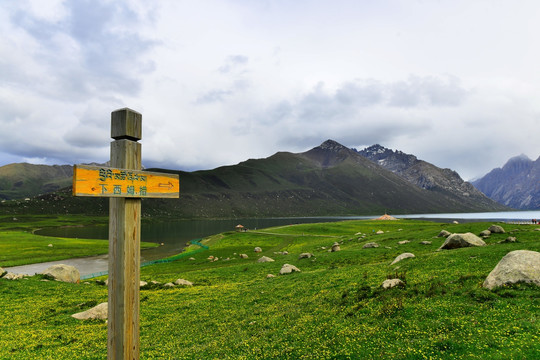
(334, 308)
(20, 246)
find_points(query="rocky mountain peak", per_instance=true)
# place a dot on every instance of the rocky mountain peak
(332, 146)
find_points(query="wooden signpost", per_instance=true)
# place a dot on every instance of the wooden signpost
(125, 184)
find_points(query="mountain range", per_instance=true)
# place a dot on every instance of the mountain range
(329, 179)
(516, 184)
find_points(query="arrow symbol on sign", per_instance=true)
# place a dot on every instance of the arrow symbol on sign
(168, 186)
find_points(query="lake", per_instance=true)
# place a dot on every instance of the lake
(175, 234)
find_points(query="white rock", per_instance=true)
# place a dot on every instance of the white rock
(516, 266)
(264, 259)
(65, 273)
(183, 282)
(387, 284)
(401, 257)
(456, 241)
(287, 269)
(97, 312)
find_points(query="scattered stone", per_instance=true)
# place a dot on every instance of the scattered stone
(335, 247)
(496, 229)
(211, 257)
(305, 255)
(13, 276)
(169, 284)
(65, 273)
(2, 272)
(257, 249)
(401, 257)
(370, 245)
(425, 242)
(516, 266)
(243, 256)
(403, 242)
(285, 252)
(323, 247)
(485, 233)
(456, 241)
(142, 283)
(183, 282)
(444, 233)
(390, 283)
(510, 239)
(287, 269)
(216, 259)
(269, 276)
(379, 232)
(50, 245)
(192, 259)
(264, 259)
(99, 312)
(455, 222)
(154, 282)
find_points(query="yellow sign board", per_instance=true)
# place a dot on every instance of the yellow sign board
(109, 182)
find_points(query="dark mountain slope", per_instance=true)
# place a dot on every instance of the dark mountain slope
(516, 184)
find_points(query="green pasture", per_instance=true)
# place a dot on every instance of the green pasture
(19, 245)
(334, 308)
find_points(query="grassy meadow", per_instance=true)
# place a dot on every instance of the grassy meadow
(334, 308)
(20, 246)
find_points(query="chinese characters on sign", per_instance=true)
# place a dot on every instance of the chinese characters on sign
(117, 189)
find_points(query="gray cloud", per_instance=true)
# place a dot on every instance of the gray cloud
(233, 62)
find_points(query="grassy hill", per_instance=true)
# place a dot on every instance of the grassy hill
(328, 180)
(19, 181)
(335, 308)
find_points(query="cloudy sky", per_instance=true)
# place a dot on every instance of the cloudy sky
(456, 83)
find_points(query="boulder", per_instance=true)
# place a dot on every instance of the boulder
(169, 284)
(192, 259)
(305, 255)
(257, 249)
(99, 312)
(510, 239)
(370, 245)
(456, 241)
(65, 273)
(287, 269)
(243, 256)
(142, 283)
(485, 233)
(444, 233)
(403, 242)
(496, 229)
(335, 247)
(379, 232)
(401, 257)
(183, 282)
(516, 266)
(269, 276)
(2, 271)
(390, 283)
(264, 259)
(12, 276)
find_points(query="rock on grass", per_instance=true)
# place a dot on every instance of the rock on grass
(515, 267)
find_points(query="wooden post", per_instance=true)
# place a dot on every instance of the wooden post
(124, 242)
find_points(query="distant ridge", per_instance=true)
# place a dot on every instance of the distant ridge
(516, 184)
